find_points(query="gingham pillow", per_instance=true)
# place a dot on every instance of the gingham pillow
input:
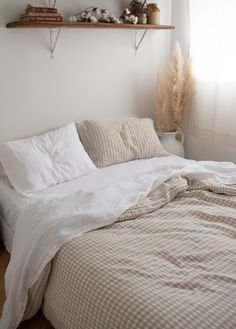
(109, 142)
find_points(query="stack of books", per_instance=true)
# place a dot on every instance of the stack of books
(41, 14)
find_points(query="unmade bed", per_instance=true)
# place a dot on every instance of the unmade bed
(168, 262)
(149, 243)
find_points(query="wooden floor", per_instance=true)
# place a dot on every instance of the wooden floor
(38, 322)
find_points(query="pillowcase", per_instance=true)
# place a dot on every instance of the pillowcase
(33, 164)
(4, 177)
(110, 142)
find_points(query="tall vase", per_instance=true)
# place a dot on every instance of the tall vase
(173, 143)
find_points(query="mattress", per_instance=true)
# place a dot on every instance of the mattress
(12, 203)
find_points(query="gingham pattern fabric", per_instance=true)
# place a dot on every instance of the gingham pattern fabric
(110, 142)
(168, 263)
(4, 177)
(2, 173)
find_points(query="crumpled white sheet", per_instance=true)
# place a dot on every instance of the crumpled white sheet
(51, 221)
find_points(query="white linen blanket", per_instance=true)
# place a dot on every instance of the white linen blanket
(51, 221)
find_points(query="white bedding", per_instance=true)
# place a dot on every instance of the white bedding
(33, 164)
(63, 213)
(12, 203)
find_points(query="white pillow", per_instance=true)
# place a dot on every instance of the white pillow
(33, 164)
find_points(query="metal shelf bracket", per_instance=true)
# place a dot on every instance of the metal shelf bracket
(54, 40)
(139, 43)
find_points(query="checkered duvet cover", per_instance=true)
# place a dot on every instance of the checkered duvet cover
(167, 263)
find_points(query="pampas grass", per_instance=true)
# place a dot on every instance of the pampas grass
(163, 102)
(175, 91)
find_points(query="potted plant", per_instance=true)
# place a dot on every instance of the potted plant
(175, 93)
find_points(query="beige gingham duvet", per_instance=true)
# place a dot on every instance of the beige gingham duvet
(168, 263)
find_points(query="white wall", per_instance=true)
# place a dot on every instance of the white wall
(95, 73)
(180, 19)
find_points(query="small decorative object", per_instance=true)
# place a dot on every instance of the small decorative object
(133, 19)
(103, 16)
(94, 15)
(128, 18)
(153, 14)
(93, 19)
(114, 19)
(84, 16)
(139, 9)
(96, 12)
(173, 142)
(142, 19)
(72, 19)
(126, 14)
(175, 92)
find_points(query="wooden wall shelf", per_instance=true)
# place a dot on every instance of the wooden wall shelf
(66, 25)
(40, 25)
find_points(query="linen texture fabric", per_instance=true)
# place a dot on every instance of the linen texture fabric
(4, 177)
(2, 173)
(36, 163)
(111, 142)
(168, 262)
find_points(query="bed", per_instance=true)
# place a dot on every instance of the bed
(143, 244)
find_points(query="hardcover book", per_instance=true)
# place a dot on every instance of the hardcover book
(31, 9)
(42, 19)
(39, 14)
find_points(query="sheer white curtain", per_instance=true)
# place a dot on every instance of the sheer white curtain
(213, 48)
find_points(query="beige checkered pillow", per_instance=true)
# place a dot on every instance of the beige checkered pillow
(2, 173)
(110, 142)
(4, 177)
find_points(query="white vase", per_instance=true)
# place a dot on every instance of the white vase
(173, 143)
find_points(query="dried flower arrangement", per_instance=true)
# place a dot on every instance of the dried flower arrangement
(138, 8)
(175, 92)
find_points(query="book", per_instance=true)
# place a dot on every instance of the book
(39, 14)
(42, 19)
(31, 9)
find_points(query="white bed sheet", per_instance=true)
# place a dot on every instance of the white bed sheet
(12, 203)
